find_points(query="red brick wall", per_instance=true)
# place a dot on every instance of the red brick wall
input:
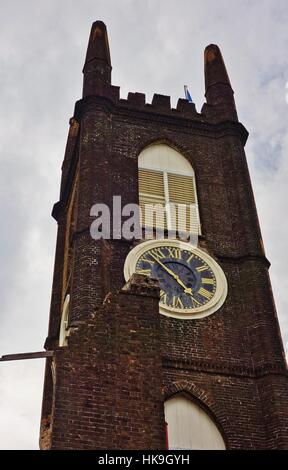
(108, 392)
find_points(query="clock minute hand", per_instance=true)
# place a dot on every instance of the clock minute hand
(187, 290)
(169, 271)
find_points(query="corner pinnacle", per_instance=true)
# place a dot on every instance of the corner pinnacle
(218, 90)
(97, 67)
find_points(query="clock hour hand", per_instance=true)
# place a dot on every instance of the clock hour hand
(187, 290)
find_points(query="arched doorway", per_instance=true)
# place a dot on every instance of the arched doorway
(190, 427)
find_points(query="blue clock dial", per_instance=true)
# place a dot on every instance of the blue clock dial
(186, 280)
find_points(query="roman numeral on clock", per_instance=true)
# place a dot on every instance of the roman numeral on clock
(190, 257)
(202, 268)
(157, 253)
(145, 272)
(174, 252)
(163, 296)
(205, 293)
(177, 302)
(208, 280)
(147, 260)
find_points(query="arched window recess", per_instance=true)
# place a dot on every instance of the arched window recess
(167, 179)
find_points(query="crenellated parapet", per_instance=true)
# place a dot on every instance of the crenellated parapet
(160, 105)
(219, 106)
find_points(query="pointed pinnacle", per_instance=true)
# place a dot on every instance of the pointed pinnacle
(97, 67)
(215, 70)
(98, 45)
(218, 90)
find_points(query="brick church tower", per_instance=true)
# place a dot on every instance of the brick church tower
(208, 370)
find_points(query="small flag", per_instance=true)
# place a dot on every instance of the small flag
(187, 94)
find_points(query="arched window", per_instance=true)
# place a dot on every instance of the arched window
(64, 331)
(189, 427)
(166, 178)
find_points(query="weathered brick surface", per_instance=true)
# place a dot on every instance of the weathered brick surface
(109, 380)
(107, 391)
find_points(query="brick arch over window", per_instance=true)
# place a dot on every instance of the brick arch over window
(178, 147)
(204, 401)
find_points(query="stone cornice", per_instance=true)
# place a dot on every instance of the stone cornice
(192, 122)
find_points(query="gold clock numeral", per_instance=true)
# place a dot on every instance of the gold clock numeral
(158, 253)
(194, 303)
(174, 252)
(202, 268)
(177, 302)
(148, 260)
(190, 257)
(145, 272)
(205, 293)
(163, 296)
(208, 280)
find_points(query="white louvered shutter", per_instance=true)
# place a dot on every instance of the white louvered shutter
(182, 194)
(151, 192)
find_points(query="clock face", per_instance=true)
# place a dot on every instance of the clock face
(192, 284)
(186, 280)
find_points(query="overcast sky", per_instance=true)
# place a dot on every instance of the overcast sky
(156, 46)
